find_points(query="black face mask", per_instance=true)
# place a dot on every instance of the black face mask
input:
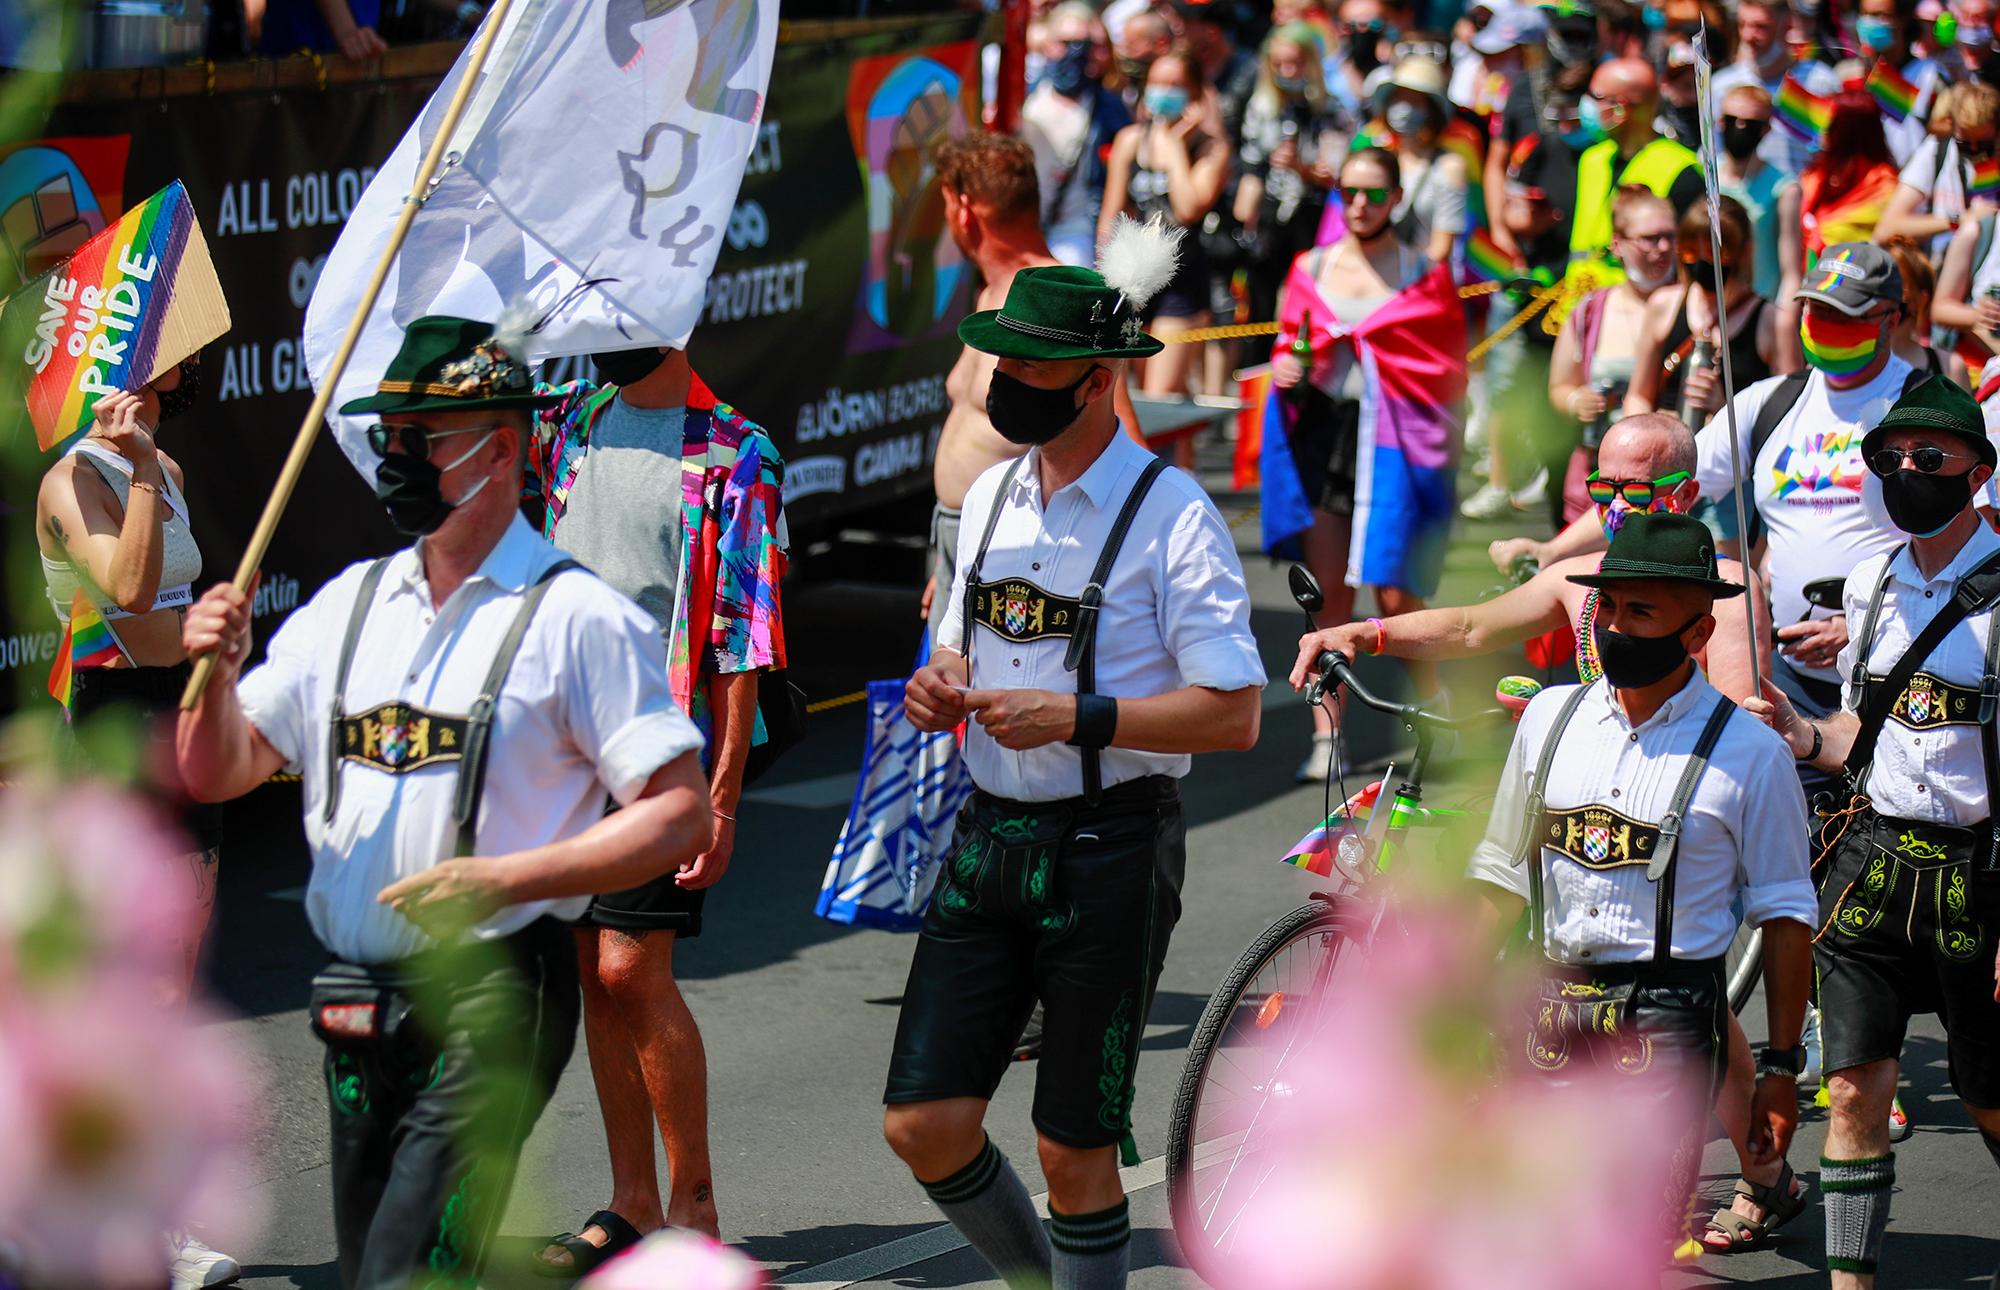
(1702, 274)
(411, 490)
(1027, 414)
(1740, 138)
(1924, 505)
(180, 400)
(1364, 49)
(1635, 662)
(627, 366)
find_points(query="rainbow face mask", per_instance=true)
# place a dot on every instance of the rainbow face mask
(1840, 347)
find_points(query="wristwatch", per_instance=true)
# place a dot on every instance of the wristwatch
(1781, 1061)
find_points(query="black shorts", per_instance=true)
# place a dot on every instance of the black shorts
(151, 696)
(1052, 900)
(659, 905)
(1910, 914)
(1326, 449)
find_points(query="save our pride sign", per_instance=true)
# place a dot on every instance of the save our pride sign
(130, 303)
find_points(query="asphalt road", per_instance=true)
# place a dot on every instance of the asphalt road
(798, 1013)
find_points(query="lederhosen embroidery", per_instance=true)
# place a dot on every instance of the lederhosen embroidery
(1570, 1010)
(1022, 609)
(349, 737)
(1929, 702)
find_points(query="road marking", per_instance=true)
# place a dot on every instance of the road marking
(809, 794)
(934, 1242)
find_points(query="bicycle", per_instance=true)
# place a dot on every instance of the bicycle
(1271, 999)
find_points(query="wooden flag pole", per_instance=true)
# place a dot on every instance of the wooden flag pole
(295, 463)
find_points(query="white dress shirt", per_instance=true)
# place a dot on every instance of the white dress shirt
(1744, 834)
(1176, 612)
(1929, 772)
(585, 711)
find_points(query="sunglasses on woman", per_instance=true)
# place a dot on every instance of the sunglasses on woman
(414, 439)
(1638, 493)
(1375, 196)
(1928, 461)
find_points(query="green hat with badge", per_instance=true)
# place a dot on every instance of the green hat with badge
(452, 365)
(1661, 547)
(1062, 313)
(1935, 403)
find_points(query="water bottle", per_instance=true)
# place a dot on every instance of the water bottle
(1593, 431)
(1700, 360)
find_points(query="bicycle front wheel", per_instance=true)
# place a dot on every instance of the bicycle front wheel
(1258, 1020)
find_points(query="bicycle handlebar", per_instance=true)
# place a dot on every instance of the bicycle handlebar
(1334, 667)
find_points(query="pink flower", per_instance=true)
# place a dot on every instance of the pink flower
(675, 1259)
(117, 1122)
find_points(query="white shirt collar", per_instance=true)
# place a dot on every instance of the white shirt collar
(1100, 481)
(1982, 544)
(510, 565)
(1696, 696)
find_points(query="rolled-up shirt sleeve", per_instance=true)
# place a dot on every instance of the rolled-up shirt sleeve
(616, 703)
(1774, 868)
(1493, 859)
(274, 694)
(1205, 606)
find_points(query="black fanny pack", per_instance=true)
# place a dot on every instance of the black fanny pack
(357, 1008)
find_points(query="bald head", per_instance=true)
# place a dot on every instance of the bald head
(1627, 80)
(1651, 445)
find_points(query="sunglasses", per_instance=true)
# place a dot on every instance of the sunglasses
(1376, 196)
(1638, 493)
(1929, 461)
(1739, 121)
(412, 439)
(1649, 239)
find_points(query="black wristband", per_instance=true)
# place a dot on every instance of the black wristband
(1782, 1061)
(1819, 738)
(1096, 721)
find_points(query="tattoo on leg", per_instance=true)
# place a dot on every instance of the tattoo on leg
(701, 1192)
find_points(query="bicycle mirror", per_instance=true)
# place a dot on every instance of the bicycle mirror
(1305, 590)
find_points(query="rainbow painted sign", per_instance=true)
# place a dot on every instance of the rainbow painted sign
(132, 302)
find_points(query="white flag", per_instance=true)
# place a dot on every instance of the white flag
(588, 186)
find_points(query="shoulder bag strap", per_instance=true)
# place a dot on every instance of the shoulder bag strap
(1661, 869)
(1778, 404)
(1975, 591)
(972, 575)
(479, 729)
(1989, 736)
(1081, 657)
(1857, 679)
(363, 600)
(1530, 849)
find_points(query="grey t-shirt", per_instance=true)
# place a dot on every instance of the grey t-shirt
(623, 517)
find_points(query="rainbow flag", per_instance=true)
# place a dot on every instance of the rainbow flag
(1896, 95)
(86, 642)
(1801, 111)
(1462, 138)
(129, 303)
(1314, 852)
(1985, 179)
(1485, 261)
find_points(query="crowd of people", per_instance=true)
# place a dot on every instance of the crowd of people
(1755, 426)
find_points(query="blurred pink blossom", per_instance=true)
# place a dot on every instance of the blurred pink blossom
(676, 1259)
(118, 1122)
(1401, 1150)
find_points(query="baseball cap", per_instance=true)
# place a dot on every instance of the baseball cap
(1854, 277)
(1511, 25)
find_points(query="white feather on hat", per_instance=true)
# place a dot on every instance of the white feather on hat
(1138, 260)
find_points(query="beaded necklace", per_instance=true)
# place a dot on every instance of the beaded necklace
(1588, 666)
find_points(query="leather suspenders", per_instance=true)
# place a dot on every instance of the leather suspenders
(1660, 869)
(1081, 655)
(479, 725)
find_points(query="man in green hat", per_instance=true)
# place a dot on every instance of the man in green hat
(399, 693)
(1633, 813)
(1909, 901)
(1095, 635)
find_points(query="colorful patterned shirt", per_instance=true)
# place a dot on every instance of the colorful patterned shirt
(727, 610)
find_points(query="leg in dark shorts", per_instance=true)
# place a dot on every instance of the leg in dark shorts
(1911, 917)
(1044, 898)
(1324, 446)
(659, 905)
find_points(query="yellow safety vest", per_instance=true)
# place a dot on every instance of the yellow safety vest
(1657, 166)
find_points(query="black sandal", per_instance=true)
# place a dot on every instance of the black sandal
(585, 1258)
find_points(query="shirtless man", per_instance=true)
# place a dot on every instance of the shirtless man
(993, 208)
(1655, 449)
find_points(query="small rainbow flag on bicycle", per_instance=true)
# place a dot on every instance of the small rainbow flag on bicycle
(1802, 112)
(1314, 851)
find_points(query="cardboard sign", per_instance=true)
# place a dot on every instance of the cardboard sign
(132, 302)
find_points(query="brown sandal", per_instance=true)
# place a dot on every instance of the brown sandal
(1780, 1203)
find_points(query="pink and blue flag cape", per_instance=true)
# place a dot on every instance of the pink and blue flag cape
(1412, 354)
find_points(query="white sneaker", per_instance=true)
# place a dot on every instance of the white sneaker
(194, 1266)
(1530, 495)
(1491, 502)
(1318, 764)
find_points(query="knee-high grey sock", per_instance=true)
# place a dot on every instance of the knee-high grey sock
(1856, 1196)
(1092, 1251)
(986, 1201)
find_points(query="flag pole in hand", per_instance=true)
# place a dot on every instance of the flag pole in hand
(295, 462)
(1711, 175)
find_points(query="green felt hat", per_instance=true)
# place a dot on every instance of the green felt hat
(1935, 403)
(1661, 547)
(1060, 313)
(451, 365)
